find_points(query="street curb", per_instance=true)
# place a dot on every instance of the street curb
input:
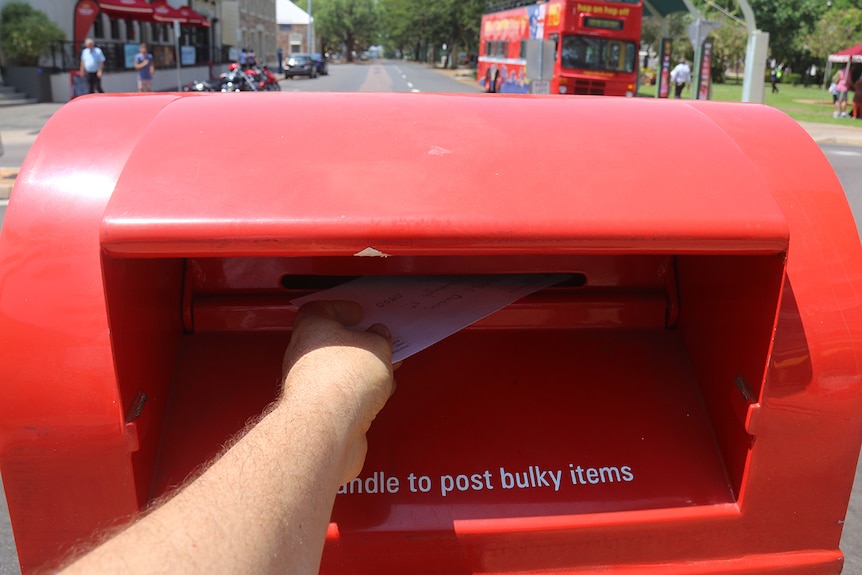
(463, 75)
(7, 180)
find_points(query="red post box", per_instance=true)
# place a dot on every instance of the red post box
(689, 402)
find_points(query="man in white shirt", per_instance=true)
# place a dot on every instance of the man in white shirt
(680, 76)
(92, 63)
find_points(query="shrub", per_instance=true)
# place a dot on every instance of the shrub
(794, 78)
(27, 33)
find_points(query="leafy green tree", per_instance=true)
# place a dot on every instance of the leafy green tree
(420, 27)
(787, 21)
(836, 30)
(351, 23)
(26, 33)
(728, 50)
(396, 30)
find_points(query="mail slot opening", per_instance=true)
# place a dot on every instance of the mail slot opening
(303, 283)
(615, 392)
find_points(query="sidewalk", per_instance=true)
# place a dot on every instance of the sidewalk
(29, 120)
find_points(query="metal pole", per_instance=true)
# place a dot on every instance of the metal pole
(177, 44)
(310, 36)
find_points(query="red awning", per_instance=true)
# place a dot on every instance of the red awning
(852, 54)
(163, 12)
(127, 9)
(193, 18)
(158, 11)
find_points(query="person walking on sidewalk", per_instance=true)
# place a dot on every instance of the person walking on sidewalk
(92, 64)
(146, 67)
(842, 83)
(680, 76)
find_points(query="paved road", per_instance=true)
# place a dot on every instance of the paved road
(401, 77)
(847, 163)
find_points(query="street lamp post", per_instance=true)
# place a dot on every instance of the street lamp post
(309, 32)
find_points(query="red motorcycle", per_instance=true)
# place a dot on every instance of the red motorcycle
(264, 79)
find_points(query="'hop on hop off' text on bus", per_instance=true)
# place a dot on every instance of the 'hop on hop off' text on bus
(596, 46)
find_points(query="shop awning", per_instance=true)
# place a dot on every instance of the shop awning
(167, 14)
(193, 18)
(159, 11)
(127, 9)
(852, 54)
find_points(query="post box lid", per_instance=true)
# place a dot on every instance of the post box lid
(399, 174)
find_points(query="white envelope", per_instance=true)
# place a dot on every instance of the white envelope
(422, 310)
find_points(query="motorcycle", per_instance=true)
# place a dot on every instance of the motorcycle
(234, 80)
(266, 80)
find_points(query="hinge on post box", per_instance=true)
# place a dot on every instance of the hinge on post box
(672, 291)
(188, 289)
(743, 388)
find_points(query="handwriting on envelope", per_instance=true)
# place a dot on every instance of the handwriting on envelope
(422, 310)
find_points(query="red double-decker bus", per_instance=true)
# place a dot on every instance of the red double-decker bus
(596, 46)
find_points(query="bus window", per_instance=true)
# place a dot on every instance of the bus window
(586, 53)
(614, 55)
(555, 38)
(523, 52)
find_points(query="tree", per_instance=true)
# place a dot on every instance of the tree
(352, 23)
(728, 50)
(836, 30)
(787, 21)
(420, 26)
(27, 33)
(395, 25)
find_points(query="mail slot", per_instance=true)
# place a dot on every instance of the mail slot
(686, 400)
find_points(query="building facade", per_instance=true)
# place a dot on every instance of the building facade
(206, 37)
(229, 24)
(293, 28)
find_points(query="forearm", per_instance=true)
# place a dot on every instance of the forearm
(263, 507)
(267, 499)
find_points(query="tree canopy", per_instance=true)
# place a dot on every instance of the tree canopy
(352, 24)
(27, 33)
(403, 27)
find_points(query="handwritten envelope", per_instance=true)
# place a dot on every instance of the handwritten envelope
(422, 310)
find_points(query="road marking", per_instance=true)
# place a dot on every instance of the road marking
(409, 84)
(377, 80)
(4, 203)
(415, 91)
(843, 153)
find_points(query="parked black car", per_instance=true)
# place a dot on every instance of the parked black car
(320, 64)
(299, 65)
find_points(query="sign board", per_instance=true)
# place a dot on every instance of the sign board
(540, 87)
(78, 85)
(540, 59)
(129, 53)
(663, 80)
(188, 55)
(699, 30)
(705, 66)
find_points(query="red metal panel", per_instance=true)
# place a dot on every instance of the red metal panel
(525, 178)
(63, 448)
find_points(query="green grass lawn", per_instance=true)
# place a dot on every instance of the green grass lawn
(803, 104)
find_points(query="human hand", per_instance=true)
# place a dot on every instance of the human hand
(343, 377)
